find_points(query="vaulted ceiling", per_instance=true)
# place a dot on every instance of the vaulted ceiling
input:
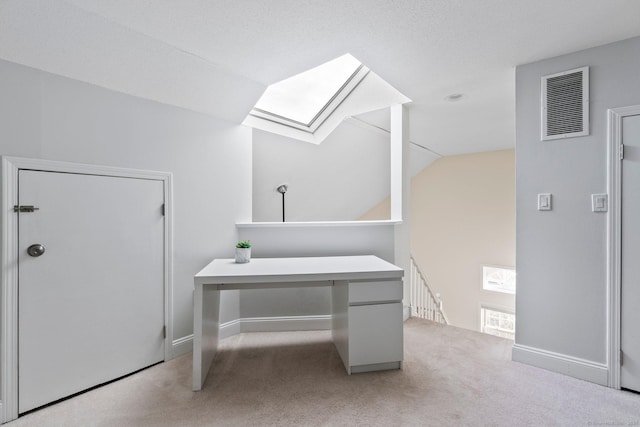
(217, 57)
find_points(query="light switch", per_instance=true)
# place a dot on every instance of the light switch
(599, 202)
(544, 201)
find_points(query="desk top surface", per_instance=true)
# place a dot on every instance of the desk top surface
(361, 267)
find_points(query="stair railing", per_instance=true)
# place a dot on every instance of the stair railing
(423, 301)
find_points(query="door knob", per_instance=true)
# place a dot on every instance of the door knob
(35, 250)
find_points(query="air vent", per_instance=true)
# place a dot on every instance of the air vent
(565, 104)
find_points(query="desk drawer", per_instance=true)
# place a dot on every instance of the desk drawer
(375, 292)
(375, 334)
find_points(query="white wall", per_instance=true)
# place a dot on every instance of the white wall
(71, 40)
(51, 117)
(337, 180)
(297, 240)
(561, 255)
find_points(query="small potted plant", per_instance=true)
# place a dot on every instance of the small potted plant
(243, 252)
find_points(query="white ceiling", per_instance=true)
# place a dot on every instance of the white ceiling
(216, 57)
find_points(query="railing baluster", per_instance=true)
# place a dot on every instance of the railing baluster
(427, 303)
(412, 292)
(431, 310)
(416, 290)
(422, 299)
(431, 307)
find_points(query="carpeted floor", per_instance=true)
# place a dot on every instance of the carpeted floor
(450, 377)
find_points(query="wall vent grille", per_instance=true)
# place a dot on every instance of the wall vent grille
(565, 104)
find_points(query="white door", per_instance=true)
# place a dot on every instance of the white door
(630, 255)
(91, 307)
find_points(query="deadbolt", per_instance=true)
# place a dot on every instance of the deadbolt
(35, 250)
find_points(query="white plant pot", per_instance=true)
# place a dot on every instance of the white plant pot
(243, 255)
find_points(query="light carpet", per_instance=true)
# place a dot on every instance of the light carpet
(450, 377)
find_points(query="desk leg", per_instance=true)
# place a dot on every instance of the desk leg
(340, 320)
(206, 326)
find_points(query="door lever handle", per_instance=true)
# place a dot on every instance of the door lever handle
(25, 208)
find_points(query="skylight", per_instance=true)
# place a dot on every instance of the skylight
(310, 105)
(303, 97)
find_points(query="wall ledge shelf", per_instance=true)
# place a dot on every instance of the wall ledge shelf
(294, 224)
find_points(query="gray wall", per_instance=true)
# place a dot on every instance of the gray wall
(51, 117)
(561, 255)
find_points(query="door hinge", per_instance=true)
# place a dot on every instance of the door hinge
(162, 209)
(164, 331)
(621, 359)
(25, 208)
(621, 151)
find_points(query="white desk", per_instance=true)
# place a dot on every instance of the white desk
(366, 294)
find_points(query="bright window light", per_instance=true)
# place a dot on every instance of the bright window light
(498, 323)
(499, 279)
(303, 97)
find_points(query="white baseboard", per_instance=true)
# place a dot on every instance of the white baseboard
(406, 313)
(573, 366)
(230, 328)
(184, 345)
(285, 323)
